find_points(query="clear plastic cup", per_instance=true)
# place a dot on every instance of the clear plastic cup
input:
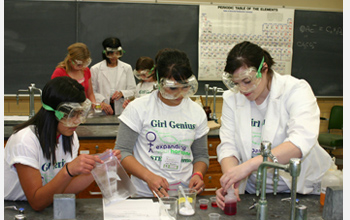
(203, 204)
(98, 108)
(213, 202)
(214, 216)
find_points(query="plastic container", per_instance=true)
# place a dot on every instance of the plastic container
(213, 202)
(203, 204)
(230, 202)
(112, 179)
(333, 177)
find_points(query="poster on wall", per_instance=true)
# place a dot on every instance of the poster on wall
(222, 27)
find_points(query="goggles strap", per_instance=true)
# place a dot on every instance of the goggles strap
(260, 67)
(58, 114)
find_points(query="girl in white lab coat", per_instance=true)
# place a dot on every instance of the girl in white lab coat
(264, 105)
(112, 79)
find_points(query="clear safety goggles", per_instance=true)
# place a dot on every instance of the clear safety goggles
(171, 89)
(81, 64)
(144, 74)
(245, 81)
(112, 52)
(71, 114)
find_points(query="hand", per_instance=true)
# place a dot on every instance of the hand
(234, 175)
(117, 95)
(159, 185)
(126, 102)
(117, 154)
(83, 164)
(107, 108)
(220, 197)
(196, 183)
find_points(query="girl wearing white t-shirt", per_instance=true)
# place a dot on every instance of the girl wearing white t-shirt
(41, 156)
(262, 105)
(144, 71)
(163, 136)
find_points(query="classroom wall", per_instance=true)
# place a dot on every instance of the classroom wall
(325, 104)
(319, 5)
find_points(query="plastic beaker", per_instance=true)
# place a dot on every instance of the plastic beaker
(191, 197)
(170, 204)
(214, 216)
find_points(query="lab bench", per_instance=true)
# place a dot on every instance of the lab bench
(92, 209)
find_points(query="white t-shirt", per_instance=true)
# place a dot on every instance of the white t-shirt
(24, 147)
(166, 134)
(258, 113)
(143, 89)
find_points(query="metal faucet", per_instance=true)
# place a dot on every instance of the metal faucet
(293, 168)
(215, 91)
(31, 90)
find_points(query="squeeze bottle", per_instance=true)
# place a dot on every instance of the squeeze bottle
(333, 177)
(230, 202)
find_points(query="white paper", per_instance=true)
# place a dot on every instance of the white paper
(222, 27)
(132, 209)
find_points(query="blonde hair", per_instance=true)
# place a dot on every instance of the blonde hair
(76, 51)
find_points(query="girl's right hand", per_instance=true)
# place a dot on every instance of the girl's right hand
(158, 184)
(83, 164)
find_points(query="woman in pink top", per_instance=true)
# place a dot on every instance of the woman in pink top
(75, 65)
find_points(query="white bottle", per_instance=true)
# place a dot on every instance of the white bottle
(333, 177)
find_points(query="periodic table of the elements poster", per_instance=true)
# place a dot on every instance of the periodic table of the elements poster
(221, 27)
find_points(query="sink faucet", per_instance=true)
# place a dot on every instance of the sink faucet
(293, 168)
(31, 90)
(215, 91)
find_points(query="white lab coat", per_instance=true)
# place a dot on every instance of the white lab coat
(125, 82)
(292, 115)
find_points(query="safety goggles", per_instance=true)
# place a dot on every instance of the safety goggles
(71, 114)
(144, 74)
(245, 81)
(171, 89)
(112, 52)
(81, 64)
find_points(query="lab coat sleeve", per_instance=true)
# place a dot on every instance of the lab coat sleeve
(304, 121)
(130, 83)
(95, 85)
(227, 147)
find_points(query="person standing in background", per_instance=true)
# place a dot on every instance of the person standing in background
(112, 79)
(144, 71)
(75, 65)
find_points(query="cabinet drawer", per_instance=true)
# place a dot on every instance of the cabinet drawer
(95, 146)
(92, 191)
(212, 145)
(212, 183)
(214, 166)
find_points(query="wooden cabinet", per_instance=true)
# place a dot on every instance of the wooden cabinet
(213, 175)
